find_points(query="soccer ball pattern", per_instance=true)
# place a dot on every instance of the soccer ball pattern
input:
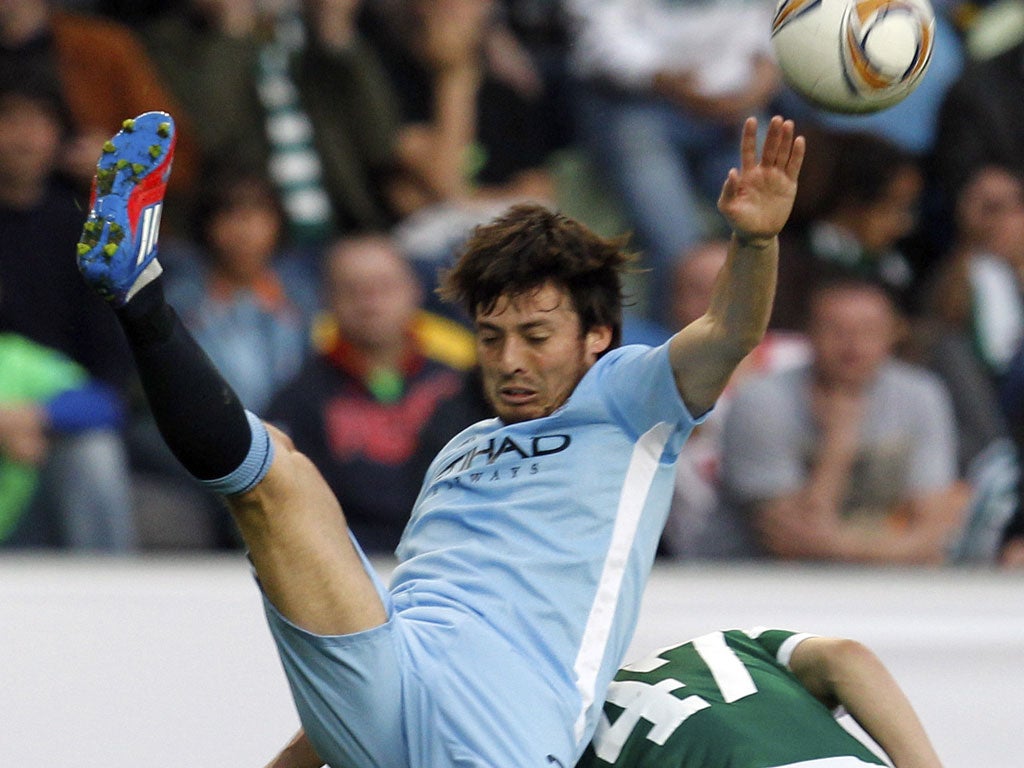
(853, 56)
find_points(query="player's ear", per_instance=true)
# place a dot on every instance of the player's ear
(598, 339)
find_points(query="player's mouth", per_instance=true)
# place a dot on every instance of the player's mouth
(517, 395)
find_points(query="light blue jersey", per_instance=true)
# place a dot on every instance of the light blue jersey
(518, 586)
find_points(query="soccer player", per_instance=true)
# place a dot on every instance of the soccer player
(760, 699)
(521, 570)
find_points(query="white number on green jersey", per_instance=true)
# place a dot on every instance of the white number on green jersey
(658, 704)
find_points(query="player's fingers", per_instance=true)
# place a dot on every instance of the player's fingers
(729, 187)
(796, 157)
(772, 139)
(786, 133)
(748, 144)
(787, 130)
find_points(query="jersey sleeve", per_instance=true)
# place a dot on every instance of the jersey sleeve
(778, 643)
(639, 388)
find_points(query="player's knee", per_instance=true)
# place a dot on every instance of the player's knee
(292, 474)
(282, 443)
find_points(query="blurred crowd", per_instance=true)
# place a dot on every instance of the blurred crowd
(334, 154)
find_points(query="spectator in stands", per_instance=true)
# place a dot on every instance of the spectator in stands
(101, 70)
(980, 120)
(539, 29)
(63, 468)
(980, 288)
(61, 378)
(987, 459)
(851, 457)
(207, 53)
(862, 199)
(385, 392)
(664, 87)
(475, 130)
(311, 107)
(474, 133)
(249, 302)
(971, 333)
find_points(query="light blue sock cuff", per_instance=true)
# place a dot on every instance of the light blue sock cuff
(253, 468)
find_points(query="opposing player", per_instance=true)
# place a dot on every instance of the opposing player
(759, 699)
(765, 698)
(522, 566)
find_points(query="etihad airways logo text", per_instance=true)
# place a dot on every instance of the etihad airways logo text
(489, 452)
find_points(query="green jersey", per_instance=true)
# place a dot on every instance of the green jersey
(723, 700)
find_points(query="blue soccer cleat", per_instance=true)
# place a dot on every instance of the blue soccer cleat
(117, 250)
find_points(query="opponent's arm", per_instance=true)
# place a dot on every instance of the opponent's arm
(838, 671)
(298, 753)
(756, 200)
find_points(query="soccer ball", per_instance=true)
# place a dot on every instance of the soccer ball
(853, 55)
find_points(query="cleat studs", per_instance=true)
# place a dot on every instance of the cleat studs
(108, 147)
(109, 250)
(83, 248)
(89, 237)
(121, 164)
(155, 151)
(138, 168)
(105, 180)
(128, 125)
(163, 130)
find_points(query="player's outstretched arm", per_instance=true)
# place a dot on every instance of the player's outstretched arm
(839, 671)
(299, 753)
(756, 201)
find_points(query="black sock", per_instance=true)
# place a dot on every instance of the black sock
(199, 415)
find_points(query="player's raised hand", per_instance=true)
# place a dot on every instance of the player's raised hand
(758, 197)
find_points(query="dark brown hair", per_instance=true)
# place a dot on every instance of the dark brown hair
(529, 246)
(229, 187)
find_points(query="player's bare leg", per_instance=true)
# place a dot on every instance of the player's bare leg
(299, 544)
(289, 519)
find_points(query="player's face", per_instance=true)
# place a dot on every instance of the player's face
(533, 353)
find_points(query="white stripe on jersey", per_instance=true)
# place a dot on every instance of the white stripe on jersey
(785, 653)
(643, 465)
(732, 678)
